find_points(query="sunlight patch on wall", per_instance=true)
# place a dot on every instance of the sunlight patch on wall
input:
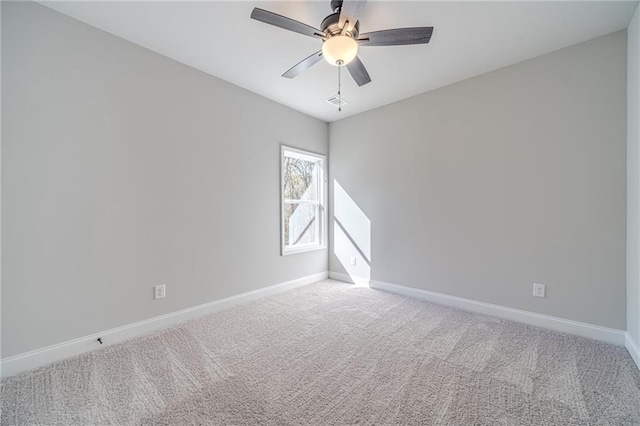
(351, 236)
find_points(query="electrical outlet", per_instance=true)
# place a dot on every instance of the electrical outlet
(538, 290)
(353, 261)
(159, 292)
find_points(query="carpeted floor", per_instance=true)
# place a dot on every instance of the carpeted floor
(332, 353)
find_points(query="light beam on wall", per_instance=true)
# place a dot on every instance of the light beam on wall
(351, 236)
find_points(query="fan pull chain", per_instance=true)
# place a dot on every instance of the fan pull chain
(340, 63)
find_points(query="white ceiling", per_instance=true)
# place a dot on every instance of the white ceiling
(470, 38)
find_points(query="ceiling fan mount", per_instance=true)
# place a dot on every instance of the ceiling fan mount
(336, 5)
(341, 38)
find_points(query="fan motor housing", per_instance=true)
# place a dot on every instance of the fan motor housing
(330, 25)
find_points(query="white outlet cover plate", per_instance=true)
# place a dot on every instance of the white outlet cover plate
(538, 290)
(159, 292)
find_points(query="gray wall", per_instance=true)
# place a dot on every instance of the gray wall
(481, 188)
(633, 179)
(121, 170)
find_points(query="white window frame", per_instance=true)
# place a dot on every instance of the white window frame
(321, 203)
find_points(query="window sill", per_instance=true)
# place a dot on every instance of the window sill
(303, 250)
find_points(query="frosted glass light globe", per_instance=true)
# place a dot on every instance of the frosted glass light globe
(339, 49)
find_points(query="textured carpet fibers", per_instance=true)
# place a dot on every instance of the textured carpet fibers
(332, 353)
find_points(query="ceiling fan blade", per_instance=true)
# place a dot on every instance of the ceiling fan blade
(286, 23)
(303, 65)
(358, 72)
(396, 37)
(350, 13)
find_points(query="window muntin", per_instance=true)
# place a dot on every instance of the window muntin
(303, 206)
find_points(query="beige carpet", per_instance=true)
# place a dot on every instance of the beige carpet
(331, 353)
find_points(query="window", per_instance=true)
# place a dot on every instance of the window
(303, 205)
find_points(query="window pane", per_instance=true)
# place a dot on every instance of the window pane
(300, 179)
(300, 224)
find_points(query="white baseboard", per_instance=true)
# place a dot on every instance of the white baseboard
(348, 278)
(39, 357)
(633, 348)
(340, 277)
(596, 332)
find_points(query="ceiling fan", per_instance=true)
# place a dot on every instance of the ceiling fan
(340, 33)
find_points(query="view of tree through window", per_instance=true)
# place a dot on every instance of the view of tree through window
(301, 186)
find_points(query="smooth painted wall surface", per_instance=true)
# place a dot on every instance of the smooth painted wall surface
(633, 178)
(121, 170)
(482, 188)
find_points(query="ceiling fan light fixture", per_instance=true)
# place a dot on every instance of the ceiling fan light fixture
(339, 50)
